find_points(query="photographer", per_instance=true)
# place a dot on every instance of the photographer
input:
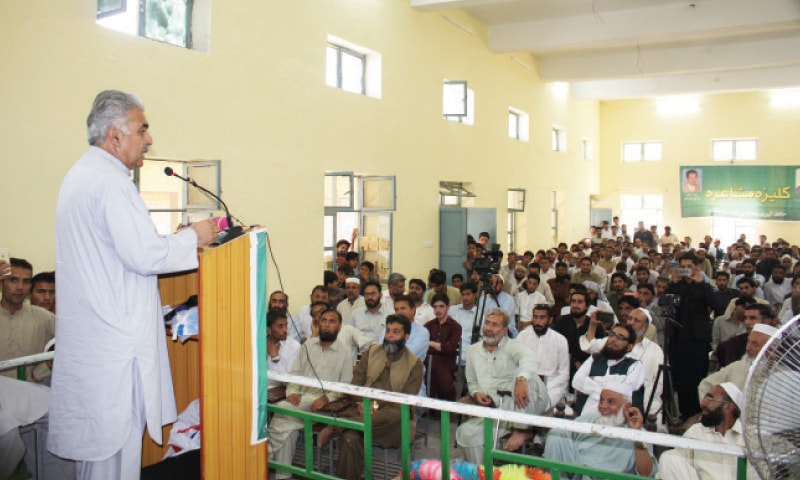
(690, 344)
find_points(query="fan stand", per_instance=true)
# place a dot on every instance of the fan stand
(670, 414)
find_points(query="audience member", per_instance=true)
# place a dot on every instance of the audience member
(43, 290)
(370, 318)
(614, 409)
(445, 339)
(281, 350)
(501, 373)
(550, 350)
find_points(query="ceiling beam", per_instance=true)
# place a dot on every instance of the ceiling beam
(739, 54)
(711, 82)
(665, 22)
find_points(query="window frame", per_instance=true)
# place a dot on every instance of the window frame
(734, 142)
(642, 149)
(362, 57)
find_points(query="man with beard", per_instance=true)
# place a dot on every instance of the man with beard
(494, 365)
(527, 298)
(281, 349)
(612, 364)
(550, 350)
(389, 366)
(370, 319)
(594, 451)
(445, 338)
(748, 268)
(644, 350)
(423, 312)
(723, 294)
(353, 300)
(690, 344)
(325, 357)
(279, 300)
(586, 272)
(736, 372)
(719, 423)
(646, 300)
(726, 327)
(733, 348)
(574, 325)
(619, 285)
(560, 287)
(775, 290)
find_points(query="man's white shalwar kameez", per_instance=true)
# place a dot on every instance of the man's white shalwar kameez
(108, 255)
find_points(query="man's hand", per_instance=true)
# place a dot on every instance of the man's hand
(5, 269)
(206, 231)
(294, 399)
(521, 393)
(482, 399)
(634, 416)
(319, 403)
(697, 274)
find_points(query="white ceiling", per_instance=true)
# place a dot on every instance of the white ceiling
(642, 48)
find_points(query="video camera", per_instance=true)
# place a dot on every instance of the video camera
(489, 264)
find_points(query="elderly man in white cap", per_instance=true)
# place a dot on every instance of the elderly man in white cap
(736, 372)
(594, 451)
(719, 423)
(644, 350)
(500, 299)
(354, 299)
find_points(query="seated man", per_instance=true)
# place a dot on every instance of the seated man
(318, 294)
(494, 365)
(612, 364)
(735, 347)
(551, 351)
(281, 349)
(736, 372)
(719, 423)
(392, 367)
(325, 357)
(24, 328)
(594, 451)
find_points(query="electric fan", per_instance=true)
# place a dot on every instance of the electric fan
(771, 416)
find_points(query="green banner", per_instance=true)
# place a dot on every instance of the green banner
(258, 325)
(760, 193)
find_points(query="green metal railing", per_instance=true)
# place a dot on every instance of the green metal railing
(490, 453)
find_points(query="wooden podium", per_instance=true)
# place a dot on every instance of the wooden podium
(217, 367)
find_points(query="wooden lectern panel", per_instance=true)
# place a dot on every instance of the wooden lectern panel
(226, 365)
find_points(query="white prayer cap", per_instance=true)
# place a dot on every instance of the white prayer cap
(352, 280)
(646, 314)
(622, 388)
(765, 329)
(592, 286)
(733, 391)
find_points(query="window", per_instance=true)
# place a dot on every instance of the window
(183, 23)
(173, 202)
(518, 124)
(730, 150)
(554, 218)
(458, 102)
(641, 151)
(352, 68)
(644, 208)
(728, 230)
(456, 194)
(370, 217)
(515, 204)
(586, 149)
(558, 139)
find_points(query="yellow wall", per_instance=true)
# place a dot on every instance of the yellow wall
(257, 101)
(687, 141)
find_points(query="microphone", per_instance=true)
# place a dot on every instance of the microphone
(229, 233)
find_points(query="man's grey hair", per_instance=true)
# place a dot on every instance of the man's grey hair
(396, 278)
(110, 109)
(501, 312)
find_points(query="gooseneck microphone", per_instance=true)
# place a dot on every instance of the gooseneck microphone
(229, 233)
